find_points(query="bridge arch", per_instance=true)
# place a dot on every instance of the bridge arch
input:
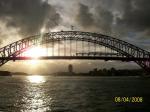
(126, 49)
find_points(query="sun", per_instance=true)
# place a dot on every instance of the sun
(35, 52)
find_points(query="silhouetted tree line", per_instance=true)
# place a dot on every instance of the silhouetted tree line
(115, 72)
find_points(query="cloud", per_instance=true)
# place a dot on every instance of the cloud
(115, 16)
(105, 16)
(28, 15)
(136, 15)
(84, 17)
(98, 19)
(104, 19)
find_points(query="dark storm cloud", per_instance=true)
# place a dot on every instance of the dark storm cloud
(84, 17)
(28, 15)
(104, 19)
(115, 16)
(100, 19)
(136, 15)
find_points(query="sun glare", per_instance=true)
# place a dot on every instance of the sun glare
(43, 30)
(35, 52)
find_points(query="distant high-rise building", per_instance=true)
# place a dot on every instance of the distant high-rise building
(70, 68)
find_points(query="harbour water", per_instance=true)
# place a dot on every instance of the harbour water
(73, 94)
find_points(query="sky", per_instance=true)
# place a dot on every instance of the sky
(124, 19)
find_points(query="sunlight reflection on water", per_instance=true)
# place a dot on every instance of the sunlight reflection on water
(36, 79)
(35, 98)
(71, 94)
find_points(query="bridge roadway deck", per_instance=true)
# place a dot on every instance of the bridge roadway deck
(75, 58)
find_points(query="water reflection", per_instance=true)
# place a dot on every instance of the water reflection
(36, 79)
(35, 98)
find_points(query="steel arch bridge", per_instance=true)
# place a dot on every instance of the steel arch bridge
(122, 50)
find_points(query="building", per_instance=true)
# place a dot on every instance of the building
(70, 68)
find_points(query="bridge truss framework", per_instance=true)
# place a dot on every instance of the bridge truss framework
(126, 51)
